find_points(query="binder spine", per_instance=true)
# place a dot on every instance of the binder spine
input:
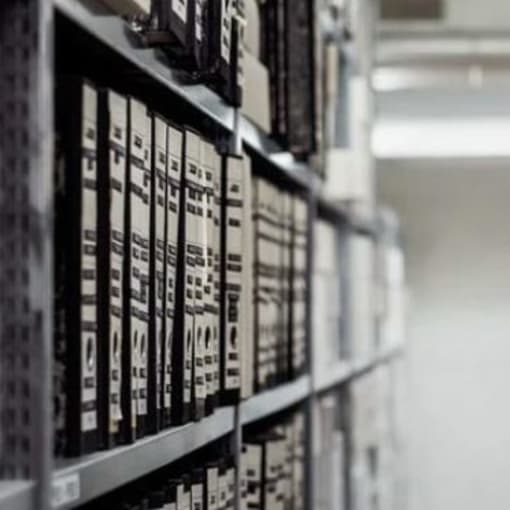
(143, 191)
(199, 321)
(88, 421)
(231, 286)
(210, 310)
(212, 487)
(174, 239)
(76, 371)
(157, 273)
(184, 337)
(112, 114)
(134, 327)
(218, 255)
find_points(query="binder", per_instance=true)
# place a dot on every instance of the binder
(172, 252)
(218, 255)
(211, 483)
(181, 27)
(198, 494)
(247, 351)
(156, 500)
(263, 282)
(173, 21)
(220, 14)
(157, 272)
(112, 140)
(243, 478)
(230, 477)
(76, 363)
(182, 358)
(299, 262)
(136, 273)
(199, 245)
(222, 487)
(183, 496)
(231, 279)
(286, 265)
(210, 309)
(170, 491)
(254, 476)
(236, 75)
(185, 501)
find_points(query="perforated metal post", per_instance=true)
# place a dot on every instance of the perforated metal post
(26, 141)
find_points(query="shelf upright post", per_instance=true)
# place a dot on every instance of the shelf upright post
(26, 304)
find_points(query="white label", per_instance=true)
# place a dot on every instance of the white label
(65, 490)
(180, 7)
(226, 32)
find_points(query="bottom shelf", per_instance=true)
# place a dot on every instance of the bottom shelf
(18, 495)
(78, 481)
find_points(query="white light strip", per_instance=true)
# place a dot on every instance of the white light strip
(452, 138)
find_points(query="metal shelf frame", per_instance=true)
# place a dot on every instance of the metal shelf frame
(94, 475)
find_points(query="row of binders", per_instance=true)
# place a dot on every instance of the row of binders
(203, 37)
(204, 481)
(271, 474)
(180, 281)
(273, 466)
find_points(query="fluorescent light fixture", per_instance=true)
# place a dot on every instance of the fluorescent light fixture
(449, 138)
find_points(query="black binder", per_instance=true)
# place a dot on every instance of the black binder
(112, 140)
(173, 289)
(157, 273)
(199, 389)
(136, 273)
(210, 309)
(182, 353)
(220, 14)
(218, 251)
(198, 490)
(231, 279)
(76, 368)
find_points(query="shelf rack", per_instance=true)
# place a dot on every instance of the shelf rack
(75, 482)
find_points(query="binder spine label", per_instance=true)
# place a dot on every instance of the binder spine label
(180, 8)
(88, 255)
(118, 139)
(226, 29)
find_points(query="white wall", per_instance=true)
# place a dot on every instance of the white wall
(478, 13)
(456, 227)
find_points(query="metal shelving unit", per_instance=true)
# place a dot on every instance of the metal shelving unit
(77, 481)
(116, 34)
(100, 472)
(274, 400)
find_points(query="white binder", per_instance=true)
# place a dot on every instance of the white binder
(173, 197)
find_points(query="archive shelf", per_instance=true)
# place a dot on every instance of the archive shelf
(116, 34)
(274, 400)
(102, 472)
(259, 142)
(345, 371)
(94, 475)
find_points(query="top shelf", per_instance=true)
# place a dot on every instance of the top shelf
(112, 31)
